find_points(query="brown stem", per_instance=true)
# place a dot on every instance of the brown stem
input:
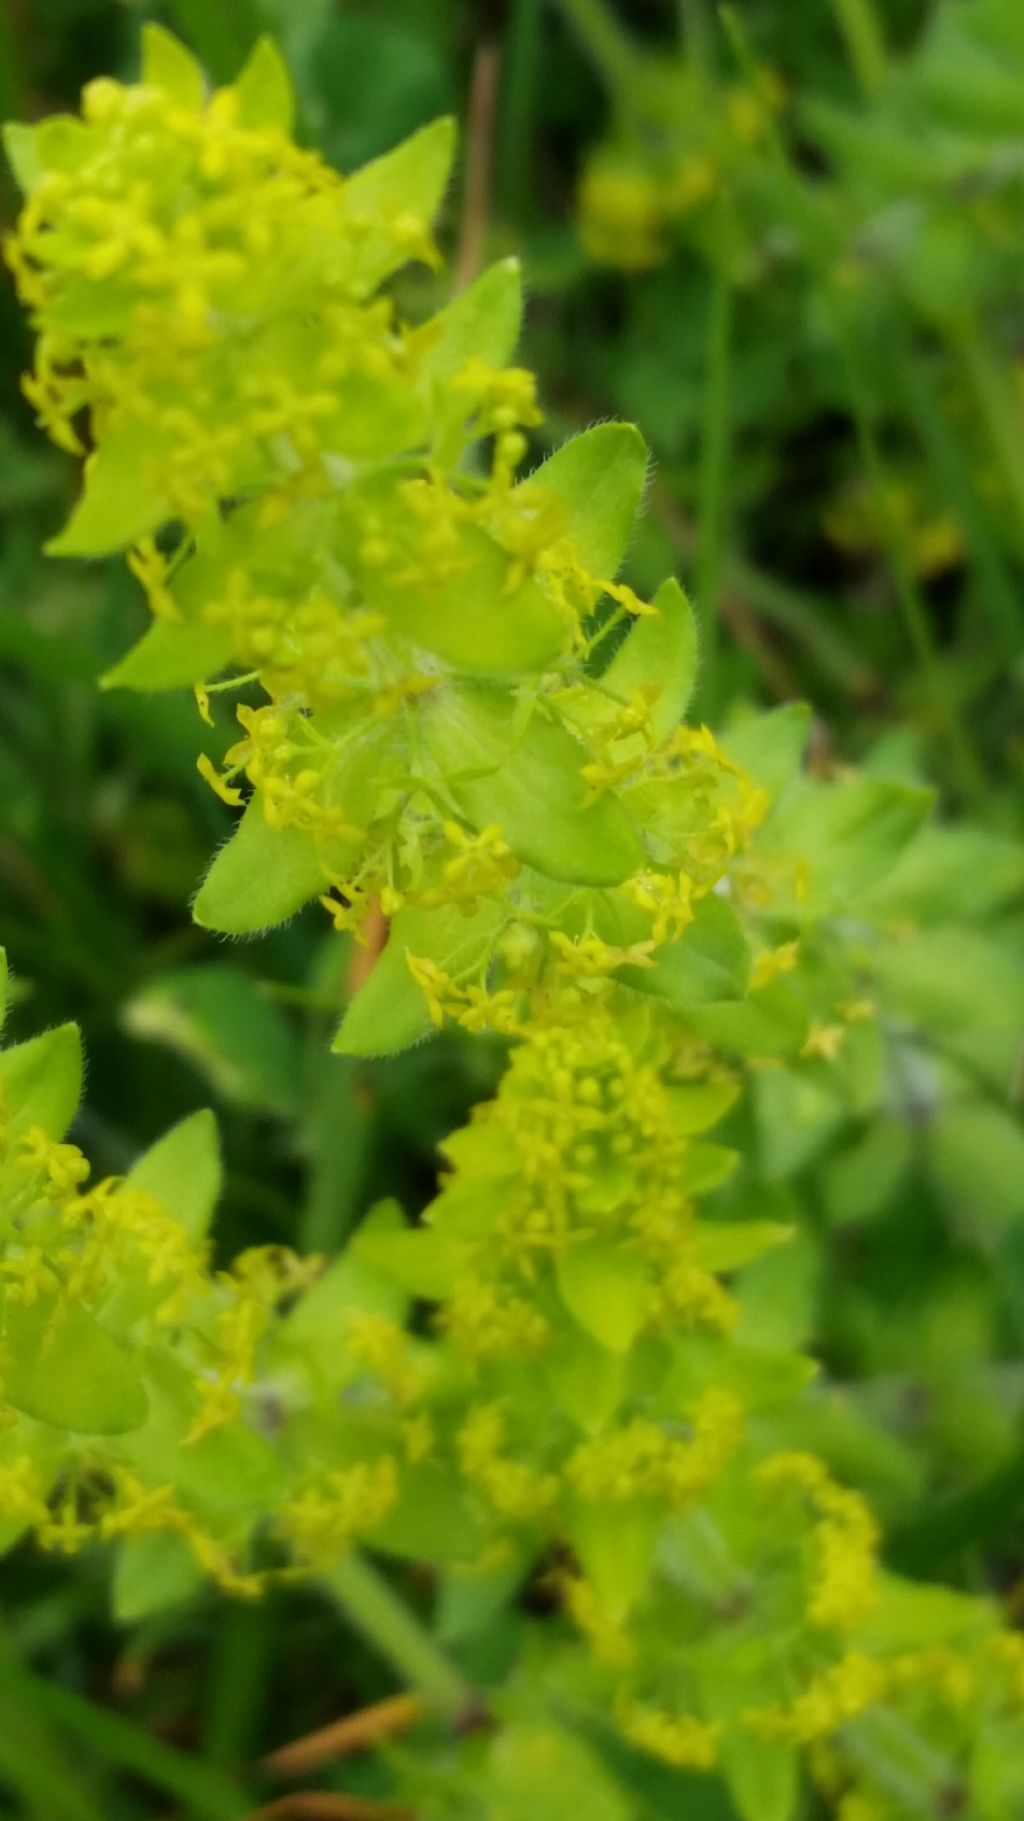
(482, 111)
(355, 1732)
(365, 954)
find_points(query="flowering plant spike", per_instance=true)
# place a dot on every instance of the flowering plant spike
(450, 707)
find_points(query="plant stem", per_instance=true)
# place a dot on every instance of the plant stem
(865, 45)
(354, 1732)
(479, 157)
(384, 1620)
(712, 480)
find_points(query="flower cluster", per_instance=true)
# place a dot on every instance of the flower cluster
(124, 1349)
(457, 716)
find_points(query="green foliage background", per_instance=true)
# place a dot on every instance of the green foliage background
(810, 433)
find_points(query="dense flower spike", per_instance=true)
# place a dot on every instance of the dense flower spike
(455, 715)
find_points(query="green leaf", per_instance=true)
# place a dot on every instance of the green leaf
(660, 1790)
(348, 1287)
(64, 1369)
(468, 618)
(61, 142)
(410, 180)
(587, 1379)
(857, 1449)
(770, 746)
(725, 1245)
(389, 1012)
(483, 1149)
(598, 479)
(219, 1020)
(172, 654)
(698, 1105)
(529, 782)
(849, 834)
(231, 1469)
(778, 1297)
(771, 1022)
(182, 1170)
(950, 873)
(976, 1156)
(708, 963)
(264, 89)
(92, 307)
(707, 1166)
(910, 1615)
(422, 1260)
(538, 1771)
(482, 322)
(951, 980)
(153, 1574)
(861, 1181)
(412, 175)
(5, 978)
(167, 65)
(659, 654)
(42, 1081)
(470, 1601)
(605, 1288)
(22, 155)
(763, 1775)
(431, 1521)
(468, 1207)
(260, 878)
(796, 1118)
(615, 1543)
(762, 1378)
(122, 499)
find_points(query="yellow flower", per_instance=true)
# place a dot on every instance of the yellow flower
(682, 1740)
